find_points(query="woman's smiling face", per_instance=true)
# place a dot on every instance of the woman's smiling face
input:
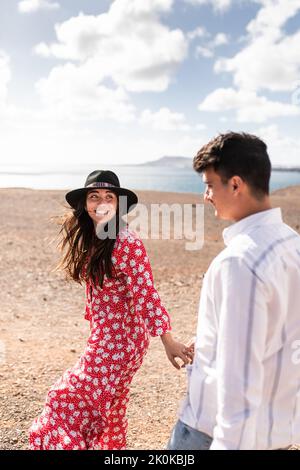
(101, 205)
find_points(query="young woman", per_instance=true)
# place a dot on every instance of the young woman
(86, 408)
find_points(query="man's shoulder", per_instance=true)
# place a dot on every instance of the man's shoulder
(260, 248)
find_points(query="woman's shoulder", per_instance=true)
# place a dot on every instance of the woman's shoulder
(129, 250)
(127, 238)
(128, 235)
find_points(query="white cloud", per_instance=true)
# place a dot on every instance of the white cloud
(73, 92)
(199, 32)
(128, 44)
(31, 6)
(271, 59)
(279, 146)
(220, 39)
(5, 76)
(272, 17)
(203, 51)
(218, 5)
(125, 49)
(208, 50)
(164, 120)
(249, 106)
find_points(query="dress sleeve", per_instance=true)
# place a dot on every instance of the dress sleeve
(132, 261)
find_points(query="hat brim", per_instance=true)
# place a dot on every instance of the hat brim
(73, 197)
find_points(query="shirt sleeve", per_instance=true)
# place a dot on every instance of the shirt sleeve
(132, 260)
(241, 307)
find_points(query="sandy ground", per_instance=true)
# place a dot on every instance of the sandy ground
(42, 330)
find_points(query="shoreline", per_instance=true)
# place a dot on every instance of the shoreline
(10, 188)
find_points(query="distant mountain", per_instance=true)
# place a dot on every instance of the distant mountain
(286, 168)
(185, 162)
(178, 162)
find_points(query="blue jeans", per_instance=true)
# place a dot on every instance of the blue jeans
(184, 437)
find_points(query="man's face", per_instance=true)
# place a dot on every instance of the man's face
(219, 194)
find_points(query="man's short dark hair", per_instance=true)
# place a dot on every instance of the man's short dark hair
(237, 154)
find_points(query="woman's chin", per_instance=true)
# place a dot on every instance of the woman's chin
(104, 229)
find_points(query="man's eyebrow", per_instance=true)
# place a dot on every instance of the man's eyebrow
(207, 182)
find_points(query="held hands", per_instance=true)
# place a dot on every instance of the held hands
(176, 349)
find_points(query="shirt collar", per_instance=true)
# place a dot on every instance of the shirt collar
(268, 217)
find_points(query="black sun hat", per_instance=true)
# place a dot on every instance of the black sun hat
(102, 179)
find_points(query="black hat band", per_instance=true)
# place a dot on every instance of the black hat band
(101, 185)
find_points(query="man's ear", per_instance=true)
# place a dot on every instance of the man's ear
(236, 182)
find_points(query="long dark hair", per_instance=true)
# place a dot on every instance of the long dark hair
(86, 255)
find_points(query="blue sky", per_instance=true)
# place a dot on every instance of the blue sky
(128, 81)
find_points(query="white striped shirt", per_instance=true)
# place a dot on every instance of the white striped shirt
(244, 384)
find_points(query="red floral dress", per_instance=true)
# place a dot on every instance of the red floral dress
(86, 408)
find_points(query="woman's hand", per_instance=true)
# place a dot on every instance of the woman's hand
(176, 349)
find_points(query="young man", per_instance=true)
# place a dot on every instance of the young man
(244, 383)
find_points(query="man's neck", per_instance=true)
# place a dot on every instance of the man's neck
(254, 208)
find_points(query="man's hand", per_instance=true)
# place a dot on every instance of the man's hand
(176, 349)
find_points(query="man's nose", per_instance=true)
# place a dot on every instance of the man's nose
(206, 195)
